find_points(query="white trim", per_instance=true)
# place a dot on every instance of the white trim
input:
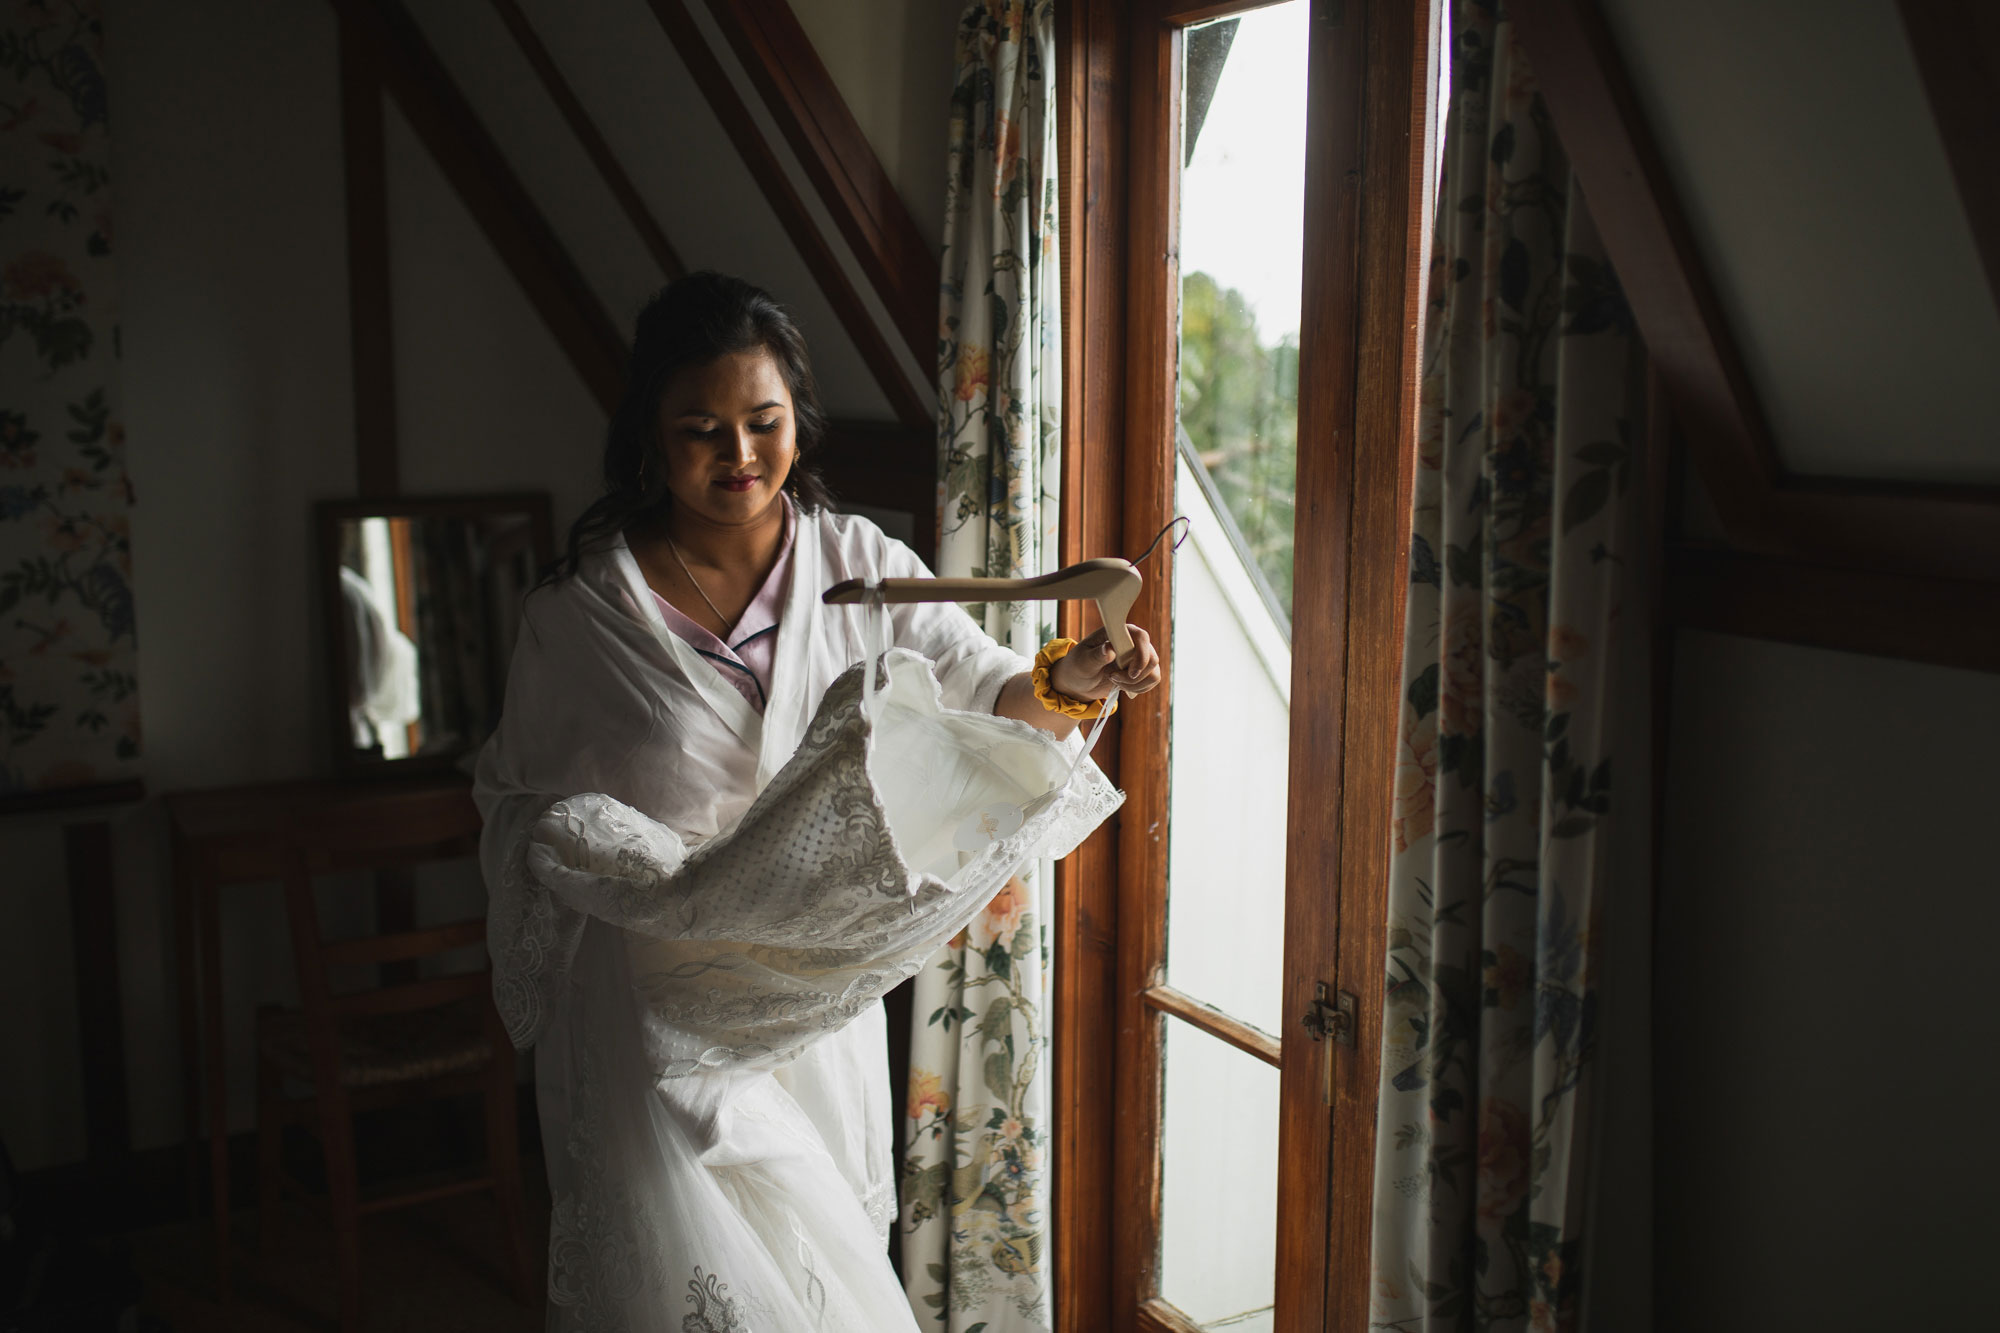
(1205, 530)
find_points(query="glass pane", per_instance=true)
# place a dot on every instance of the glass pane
(1219, 1192)
(1241, 230)
(1241, 243)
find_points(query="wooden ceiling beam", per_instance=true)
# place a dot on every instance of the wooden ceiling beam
(1957, 46)
(1185, 13)
(476, 168)
(1926, 531)
(1647, 237)
(771, 177)
(1923, 531)
(609, 169)
(1945, 622)
(839, 161)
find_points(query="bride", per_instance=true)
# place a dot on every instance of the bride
(677, 663)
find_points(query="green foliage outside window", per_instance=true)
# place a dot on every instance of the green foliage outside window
(1239, 400)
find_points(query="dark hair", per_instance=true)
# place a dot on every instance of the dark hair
(692, 321)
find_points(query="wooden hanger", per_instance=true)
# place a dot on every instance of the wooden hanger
(1113, 584)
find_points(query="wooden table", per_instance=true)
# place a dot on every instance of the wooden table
(235, 836)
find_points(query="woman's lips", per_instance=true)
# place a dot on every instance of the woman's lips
(737, 483)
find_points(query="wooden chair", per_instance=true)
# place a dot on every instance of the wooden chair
(409, 1040)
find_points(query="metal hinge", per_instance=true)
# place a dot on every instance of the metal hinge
(1330, 1015)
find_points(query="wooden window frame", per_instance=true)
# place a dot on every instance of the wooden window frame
(1369, 145)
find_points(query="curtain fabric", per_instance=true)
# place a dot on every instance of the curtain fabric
(68, 657)
(974, 1182)
(1514, 775)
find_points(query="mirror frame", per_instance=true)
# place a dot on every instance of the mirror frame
(328, 515)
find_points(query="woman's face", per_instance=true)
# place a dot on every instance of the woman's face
(728, 438)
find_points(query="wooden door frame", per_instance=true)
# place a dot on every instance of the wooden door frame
(1368, 149)
(1094, 50)
(1373, 150)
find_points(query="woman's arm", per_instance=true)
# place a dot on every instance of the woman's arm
(972, 668)
(1088, 671)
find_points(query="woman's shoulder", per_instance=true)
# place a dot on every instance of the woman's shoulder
(857, 545)
(595, 590)
(850, 528)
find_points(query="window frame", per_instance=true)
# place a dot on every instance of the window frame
(1369, 149)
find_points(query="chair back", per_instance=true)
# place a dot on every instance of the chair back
(376, 832)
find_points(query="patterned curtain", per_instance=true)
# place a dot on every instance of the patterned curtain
(975, 1189)
(68, 658)
(1507, 794)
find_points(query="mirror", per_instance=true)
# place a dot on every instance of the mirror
(422, 601)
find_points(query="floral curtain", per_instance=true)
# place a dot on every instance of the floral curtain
(975, 1188)
(68, 658)
(1514, 775)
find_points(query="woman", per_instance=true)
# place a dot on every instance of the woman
(674, 665)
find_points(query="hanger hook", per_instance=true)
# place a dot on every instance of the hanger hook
(1177, 518)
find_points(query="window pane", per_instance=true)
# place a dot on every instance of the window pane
(1230, 734)
(1241, 233)
(1219, 1192)
(1241, 227)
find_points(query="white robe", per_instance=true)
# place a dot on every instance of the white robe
(779, 1169)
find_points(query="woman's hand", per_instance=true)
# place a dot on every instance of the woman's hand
(1091, 669)
(1088, 671)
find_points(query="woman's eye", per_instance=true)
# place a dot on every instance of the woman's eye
(714, 432)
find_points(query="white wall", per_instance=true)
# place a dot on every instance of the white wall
(1803, 148)
(485, 400)
(1825, 1071)
(1828, 918)
(1229, 741)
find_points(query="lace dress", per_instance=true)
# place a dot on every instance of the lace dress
(694, 914)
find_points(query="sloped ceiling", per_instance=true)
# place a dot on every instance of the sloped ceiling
(483, 390)
(892, 61)
(1814, 179)
(635, 86)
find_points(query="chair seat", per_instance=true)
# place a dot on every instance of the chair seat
(385, 1048)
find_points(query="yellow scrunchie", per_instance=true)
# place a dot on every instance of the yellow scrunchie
(1053, 699)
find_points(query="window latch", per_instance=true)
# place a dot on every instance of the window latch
(1331, 1015)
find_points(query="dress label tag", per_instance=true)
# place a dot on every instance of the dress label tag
(986, 826)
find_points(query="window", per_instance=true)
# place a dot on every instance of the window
(1239, 236)
(1218, 948)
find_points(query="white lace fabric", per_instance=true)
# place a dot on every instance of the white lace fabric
(791, 923)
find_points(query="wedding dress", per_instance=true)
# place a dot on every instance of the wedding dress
(694, 912)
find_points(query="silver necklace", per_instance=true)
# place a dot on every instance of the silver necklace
(720, 619)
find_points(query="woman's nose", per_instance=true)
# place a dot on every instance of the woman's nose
(743, 445)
